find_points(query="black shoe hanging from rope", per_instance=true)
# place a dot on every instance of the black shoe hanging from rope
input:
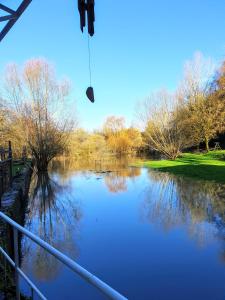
(83, 7)
(90, 90)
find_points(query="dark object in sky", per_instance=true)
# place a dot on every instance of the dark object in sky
(83, 7)
(12, 16)
(90, 94)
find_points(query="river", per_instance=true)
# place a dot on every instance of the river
(149, 235)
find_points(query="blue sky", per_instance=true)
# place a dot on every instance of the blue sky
(139, 46)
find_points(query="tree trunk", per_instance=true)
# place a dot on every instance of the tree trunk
(42, 165)
(207, 144)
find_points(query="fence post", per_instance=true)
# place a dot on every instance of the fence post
(24, 153)
(1, 185)
(10, 162)
(1, 153)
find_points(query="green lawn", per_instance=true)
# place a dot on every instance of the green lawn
(208, 166)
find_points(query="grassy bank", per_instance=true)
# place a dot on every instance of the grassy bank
(208, 166)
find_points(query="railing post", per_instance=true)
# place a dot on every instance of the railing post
(16, 260)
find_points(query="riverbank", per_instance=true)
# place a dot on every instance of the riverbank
(18, 191)
(14, 204)
(208, 166)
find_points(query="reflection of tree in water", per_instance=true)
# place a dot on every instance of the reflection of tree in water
(171, 201)
(53, 214)
(66, 166)
(117, 181)
(115, 170)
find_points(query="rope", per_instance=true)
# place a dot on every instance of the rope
(89, 59)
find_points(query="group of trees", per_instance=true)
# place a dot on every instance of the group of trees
(194, 114)
(113, 138)
(83, 143)
(120, 139)
(34, 112)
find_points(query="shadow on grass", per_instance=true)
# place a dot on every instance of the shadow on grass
(201, 172)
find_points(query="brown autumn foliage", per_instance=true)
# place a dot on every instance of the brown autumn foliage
(204, 119)
(115, 138)
(82, 143)
(202, 110)
(119, 138)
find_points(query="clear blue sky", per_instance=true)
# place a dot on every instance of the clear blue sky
(139, 47)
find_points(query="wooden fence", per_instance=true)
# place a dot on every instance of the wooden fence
(5, 168)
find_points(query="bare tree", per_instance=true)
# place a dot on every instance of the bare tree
(2, 121)
(197, 77)
(38, 109)
(162, 130)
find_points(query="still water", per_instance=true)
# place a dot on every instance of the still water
(149, 235)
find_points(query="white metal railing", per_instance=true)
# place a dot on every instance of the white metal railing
(90, 278)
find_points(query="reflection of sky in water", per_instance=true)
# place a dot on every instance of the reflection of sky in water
(148, 234)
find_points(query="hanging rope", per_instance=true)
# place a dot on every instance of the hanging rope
(86, 10)
(90, 90)
(89, 59)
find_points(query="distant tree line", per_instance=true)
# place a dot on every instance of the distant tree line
(35, 111)
(113, 139)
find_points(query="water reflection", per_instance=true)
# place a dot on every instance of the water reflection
(72, 209)
(66, 166)
(117, 181)
(114, 170)
(171, 202)
(54, 215)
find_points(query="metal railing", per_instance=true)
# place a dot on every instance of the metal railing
(90, 278)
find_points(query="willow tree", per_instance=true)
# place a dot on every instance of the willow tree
(37, 101)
